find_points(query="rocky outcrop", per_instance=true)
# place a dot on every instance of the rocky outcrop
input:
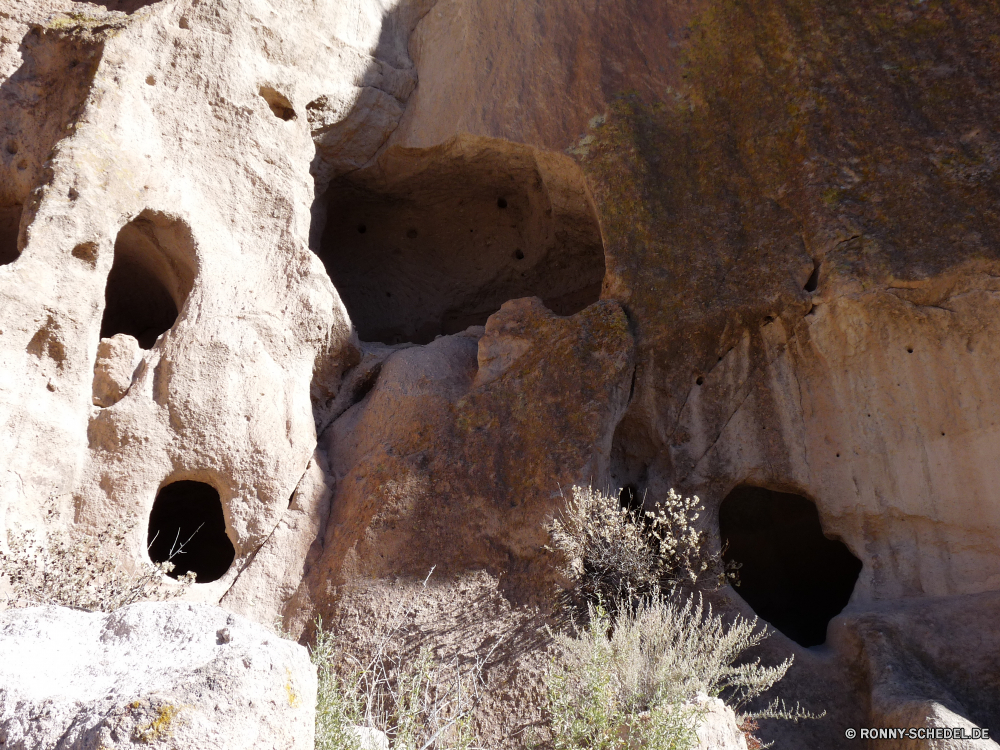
(151, 674)
(473, 434)
(325, 225)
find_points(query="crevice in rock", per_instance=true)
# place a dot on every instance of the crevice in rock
(280, 106)
(792, 575)
(187, 526)
(127, 6)
(629, 466)
(10, 221)
(150, 279)
(432, 241)
(812, 283)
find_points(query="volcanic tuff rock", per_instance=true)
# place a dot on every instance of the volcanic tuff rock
(151, 674)
(327, 227)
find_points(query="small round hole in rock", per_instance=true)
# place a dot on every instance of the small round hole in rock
(501, 203)
(87, 252)
(187, 527)
(699, 380)
(792, 575)
(362, 229)
(519, 254)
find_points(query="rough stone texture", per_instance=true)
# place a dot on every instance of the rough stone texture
(116, 361)
(113, 117)
(151, 674)
(718, 729)
(472, 435)
(797, 206)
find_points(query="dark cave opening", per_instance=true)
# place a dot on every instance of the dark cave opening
(438, 239)
(10, 222)
(150, 278)
(187, 527)
(792, 575)
(126, 6)
(629, 498)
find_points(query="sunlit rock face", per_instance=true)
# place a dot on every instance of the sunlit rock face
(385, 277)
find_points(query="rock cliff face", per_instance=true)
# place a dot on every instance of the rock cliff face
(368, 283)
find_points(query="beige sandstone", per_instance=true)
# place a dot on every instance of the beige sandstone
(369, 238)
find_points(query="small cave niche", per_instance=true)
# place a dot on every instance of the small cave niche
(432, 241)
(10, 222)
(279, 104)
(150, 279)
(188, 527)
(792, 575)
(127, 6)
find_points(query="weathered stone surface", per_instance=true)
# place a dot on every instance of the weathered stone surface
(116, 361)
(151, 674)
(718, 729)
(796, 203)
(121, 184)
(444, 463)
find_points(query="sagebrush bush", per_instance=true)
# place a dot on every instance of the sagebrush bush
(419, 704)
(595, 705)
(631, 683)
(82, 570)
(612, 554)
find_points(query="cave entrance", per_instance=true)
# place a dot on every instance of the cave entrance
(432, 241)
(150, 279)
(126, 6)
(792, 575)
(187, 527)
(10, 223)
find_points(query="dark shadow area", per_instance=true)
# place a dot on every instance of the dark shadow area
(431, 241)
(791, 575)
(280, 106)
(37, 104)
(127, 6)
(188, 528)
(630, 499)
(152, 274)
(10, 221)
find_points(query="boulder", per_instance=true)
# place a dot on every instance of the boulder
(157, 674)
(718, 729)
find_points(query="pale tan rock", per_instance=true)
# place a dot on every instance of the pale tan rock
(718, 729)
(116, 361)
(371, 739)
(143, 173)
(198, 143)
(153, 673)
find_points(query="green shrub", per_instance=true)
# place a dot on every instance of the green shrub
(595, 702)
(83, 570)
(610, 554)
(631, 683)
(419, 704)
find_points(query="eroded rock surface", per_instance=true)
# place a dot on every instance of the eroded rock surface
(787, 210)
(151, 674)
